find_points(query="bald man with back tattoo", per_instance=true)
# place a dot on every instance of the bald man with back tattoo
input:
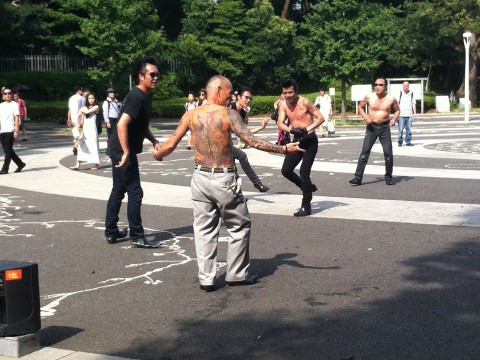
(216, 187)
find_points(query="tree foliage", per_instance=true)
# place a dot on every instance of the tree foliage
(345, 39)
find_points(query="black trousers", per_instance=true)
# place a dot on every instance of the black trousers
(7, 140)
(310, 145)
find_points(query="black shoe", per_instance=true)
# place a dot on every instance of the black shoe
(3, 172)
(389, 181)
(249, 280)
(20, 168)
(207, 288)
(303, 212)
(143, 243)
(409, 144)
(262, 188)
(74, 151)
(400, 144)
(355, 181)
(119, 235)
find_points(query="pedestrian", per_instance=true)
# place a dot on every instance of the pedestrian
(111, 111)
(88, 151)
(75, 103)
(216, 187)
(189, 105)
(9, 124)
(245, 97)
(202, 97)
(124, 145)
(408, 113)
(378, 127)
(23, 114)
(304, 118)
(323, 102)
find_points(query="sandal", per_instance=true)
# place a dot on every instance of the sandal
(95, 168)
(74, 168)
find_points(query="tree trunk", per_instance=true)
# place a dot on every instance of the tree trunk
(286, 6)
(344, 99)
(474, 56)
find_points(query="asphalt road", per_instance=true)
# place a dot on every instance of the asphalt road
(348, 287)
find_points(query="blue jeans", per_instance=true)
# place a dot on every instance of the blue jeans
(373, 132)
(125, 180)
(405, 122)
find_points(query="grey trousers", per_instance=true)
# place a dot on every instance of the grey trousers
(218, 196)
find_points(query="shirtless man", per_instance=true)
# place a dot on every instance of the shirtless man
(216, 187)
(304, 118)
(378, 126)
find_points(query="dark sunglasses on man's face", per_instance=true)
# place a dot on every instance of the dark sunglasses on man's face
(202, 94)
(247, 97)
(7, 93)
(152, 74)
(377, 84)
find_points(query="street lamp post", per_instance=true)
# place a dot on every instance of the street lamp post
(466, 41)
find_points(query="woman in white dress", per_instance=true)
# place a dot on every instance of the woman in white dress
(88, 151)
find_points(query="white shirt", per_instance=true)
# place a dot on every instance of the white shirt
(8, 111)
(75, 103)
(406, 104)
(325, 103)
(111, 109)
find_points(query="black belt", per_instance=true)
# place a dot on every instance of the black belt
(380, 124)
(215, 170)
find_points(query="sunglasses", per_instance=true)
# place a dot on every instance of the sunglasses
(248, 98)
(377, 84)
(152, 74)
(202, 94)
(7, 93)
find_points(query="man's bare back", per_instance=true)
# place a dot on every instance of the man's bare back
(211, 125)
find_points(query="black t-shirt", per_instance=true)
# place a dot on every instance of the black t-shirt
(138, 105)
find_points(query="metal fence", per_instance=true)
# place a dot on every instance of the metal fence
(68, 63)
(45, 62)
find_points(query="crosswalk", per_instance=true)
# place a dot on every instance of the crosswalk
(45, 174)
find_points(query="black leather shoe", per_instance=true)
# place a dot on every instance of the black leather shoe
(409, 144)
(250, 280)
(389, 181)
(3, 172)
(262, 188)
(143, 243)
(207, 288)
(20, 168)
(355, 181)
(303, 212)
(119, 235)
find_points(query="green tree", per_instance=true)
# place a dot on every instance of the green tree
(345, 39)
(437, 36)
(117, 44)
(266, 57)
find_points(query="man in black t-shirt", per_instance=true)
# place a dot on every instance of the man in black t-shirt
(125, 143)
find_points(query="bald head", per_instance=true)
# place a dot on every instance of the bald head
(406, 86)
(218, 90)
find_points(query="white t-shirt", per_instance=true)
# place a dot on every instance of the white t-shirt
(8, 110)
(406, 104)
(75, 103)
(325, 102)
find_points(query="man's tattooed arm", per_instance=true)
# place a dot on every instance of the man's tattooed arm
(242, 131)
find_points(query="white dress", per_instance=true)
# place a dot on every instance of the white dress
(88, 144)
